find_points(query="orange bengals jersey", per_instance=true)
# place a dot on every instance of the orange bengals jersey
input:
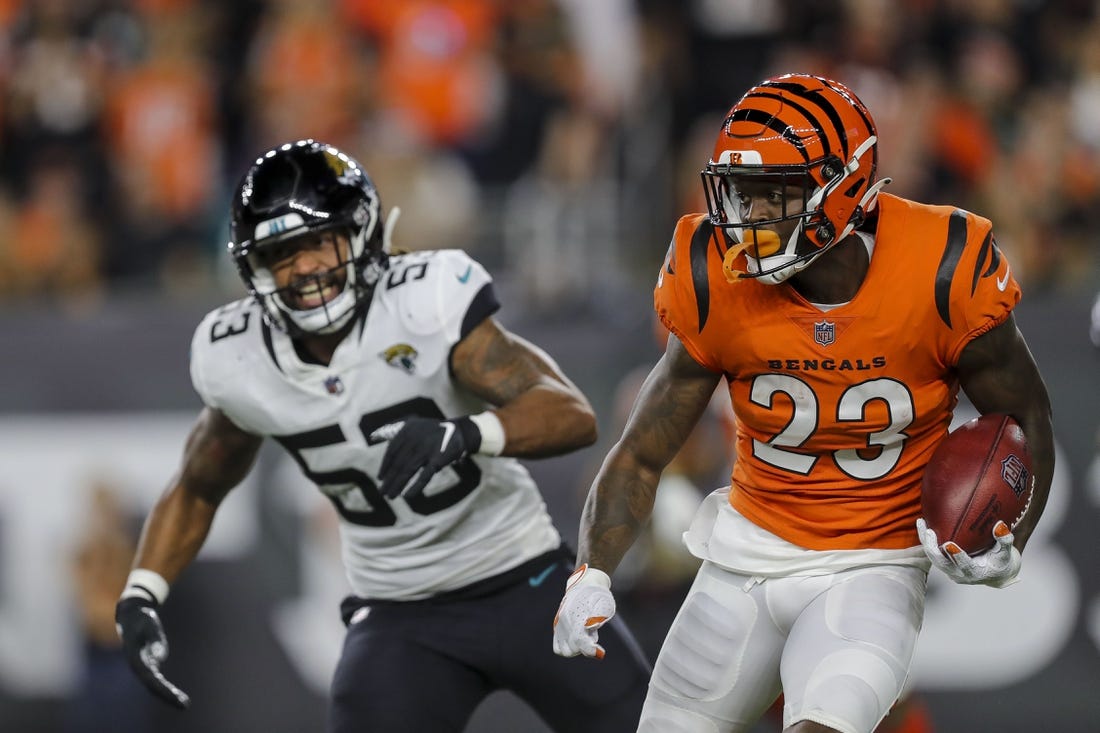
(839, 411)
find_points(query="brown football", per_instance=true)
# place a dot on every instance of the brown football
(980, 473)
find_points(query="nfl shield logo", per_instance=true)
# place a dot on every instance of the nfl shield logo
(1015, 474)
(824, 333)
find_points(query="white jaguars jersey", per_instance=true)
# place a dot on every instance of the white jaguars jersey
(475, 519)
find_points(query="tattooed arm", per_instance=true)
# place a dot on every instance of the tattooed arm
(671, 400)
(542, 411)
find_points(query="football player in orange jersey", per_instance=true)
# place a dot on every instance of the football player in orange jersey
(844, 322)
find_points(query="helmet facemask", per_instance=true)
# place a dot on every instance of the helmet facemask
(354, 273)
(770, 244)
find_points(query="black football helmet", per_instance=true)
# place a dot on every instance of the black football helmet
(301, 188)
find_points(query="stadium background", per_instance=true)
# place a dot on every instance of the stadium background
(556, 141)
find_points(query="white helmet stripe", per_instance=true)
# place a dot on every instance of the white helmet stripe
(284, 224)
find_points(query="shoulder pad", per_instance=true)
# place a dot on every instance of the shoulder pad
(974, 283)
(683, 292)
(433, 290)
(230, 331)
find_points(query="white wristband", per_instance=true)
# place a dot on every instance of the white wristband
(492, 433)
(146, 584)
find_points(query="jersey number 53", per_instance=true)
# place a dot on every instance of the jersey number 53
(353, 492)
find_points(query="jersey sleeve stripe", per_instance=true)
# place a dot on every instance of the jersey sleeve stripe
(994, 261)
(952, 253)
(483, 305)
(700, 275)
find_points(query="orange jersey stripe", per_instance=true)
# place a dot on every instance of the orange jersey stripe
(838, 412)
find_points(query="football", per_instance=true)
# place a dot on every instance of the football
(980, 473)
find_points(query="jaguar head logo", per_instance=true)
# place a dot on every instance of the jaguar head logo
(401, 356)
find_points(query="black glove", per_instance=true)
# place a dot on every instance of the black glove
(425, 445)
(146, 647)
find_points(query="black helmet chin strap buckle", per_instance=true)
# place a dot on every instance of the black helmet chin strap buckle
(825, 233)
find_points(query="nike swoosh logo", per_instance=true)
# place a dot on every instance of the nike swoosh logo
(1002, 284)
(448, 431)
(536, 580)
(466, 275)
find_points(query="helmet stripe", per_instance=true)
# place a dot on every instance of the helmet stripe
(830, 110)
(821, 134)
(770, 121)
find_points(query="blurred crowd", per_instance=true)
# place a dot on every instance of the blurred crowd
(555, 140)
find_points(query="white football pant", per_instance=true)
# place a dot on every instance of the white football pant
(837, 646)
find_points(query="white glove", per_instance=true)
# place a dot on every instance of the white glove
(586, 606)
(996, 567)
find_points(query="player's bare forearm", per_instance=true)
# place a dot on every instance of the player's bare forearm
(216, 458)
(542, 411)
(173, 532)
(998, 374)
(618, 506)
(620, 501)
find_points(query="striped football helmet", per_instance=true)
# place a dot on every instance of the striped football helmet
(799, 133)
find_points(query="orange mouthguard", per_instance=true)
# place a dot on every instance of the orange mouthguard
(765, 242)
(758, 243)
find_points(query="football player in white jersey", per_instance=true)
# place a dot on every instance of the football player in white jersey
(390, 383)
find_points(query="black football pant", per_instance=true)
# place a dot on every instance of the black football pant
(423, 666)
